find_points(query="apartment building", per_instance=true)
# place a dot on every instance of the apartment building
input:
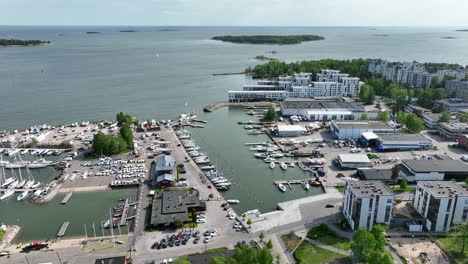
(458, 89)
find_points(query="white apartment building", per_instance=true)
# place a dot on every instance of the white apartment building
(441, 203)
(367, 203)
(410, 73)
(458, 74)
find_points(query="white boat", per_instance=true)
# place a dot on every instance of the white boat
(15, 166)
(29, 184)
(13, 152)
(262, 155)
(281, 187)
(306, 185)
(227, 184)
(270, 159)
(4, 163)
(24, 151)
(204, 161)
(13, 184)
(21, 184)
(292, 164)
(7, 182)
(272, 165)
(36, 165)
(34, 186)
(7, 194)
(209, 167)
(22, 195)
(233, 201)
(37, 193)
(283, 166)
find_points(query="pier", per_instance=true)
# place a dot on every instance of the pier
(63, 229)
(67, 197)
(212, 107)
(289, 182)
(17, 190)
(125, 217)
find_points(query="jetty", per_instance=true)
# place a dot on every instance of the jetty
(63, 229)
(212, 107)
(17, 190)
(67, 197)
(289, 182)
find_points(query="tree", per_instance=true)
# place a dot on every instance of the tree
(383, 115)
(401, 117)
(261, 236)
(123, 119)
(371, 96)
(364, 93)
(378, 232)
(460, 235)
(466, 180)
(363, 244)
(245, 255)
(219, 259)
(127, 135)
(270, 114)
(463, 117)
(177, 223)
(403, 184)
(184, 260)
(380, 257)
(269, 244)
(249, 222)
(264, 256)
(414, 124)
(364, 117)
(395, 173)
(445, 117)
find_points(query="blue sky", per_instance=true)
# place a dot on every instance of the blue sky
(236, 12)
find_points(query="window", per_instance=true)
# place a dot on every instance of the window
(387, 213)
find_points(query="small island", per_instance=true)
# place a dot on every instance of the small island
(264, 58)
(462, 30)
(449, 37)
(19, 42)
(269, 39)
(128, 30)
(381, 35)
(93, 32)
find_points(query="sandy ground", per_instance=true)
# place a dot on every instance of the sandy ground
(412, 248)
(404, 209)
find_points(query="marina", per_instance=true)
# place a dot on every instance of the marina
(66, 198)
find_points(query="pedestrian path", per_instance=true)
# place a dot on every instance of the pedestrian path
(330, 248)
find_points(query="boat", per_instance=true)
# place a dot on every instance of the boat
(292, 164)
(277, 155)
(13, 152)
(254, 132)
(20, 184)
(227, 184)
(106, 224)
(208, 167)
(37, 193)
(270, 159)
(251, 112)
(283, 166)
(119, 242)
(262, 155)
(7, 194)
(7, 182)
(202, 161)
(24, 151)
(272, 165)
(315, 183)
(34, 186)
(13, 184)
(36, 165)
(306, 185)
(15, 166)
(281, 187)
(22, 195)
(233, 201)
(222, 188)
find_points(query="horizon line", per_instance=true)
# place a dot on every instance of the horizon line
(115, 25)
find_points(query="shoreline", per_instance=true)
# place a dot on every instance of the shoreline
(84, 189)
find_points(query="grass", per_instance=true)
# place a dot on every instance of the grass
(408, 189)
(308, 253)
(452, 248)
(386, 101)
(213, 250)
(340, 188)
(2, 233)
(328, 236)
(291, 241)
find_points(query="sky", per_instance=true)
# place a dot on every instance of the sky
(235, 12)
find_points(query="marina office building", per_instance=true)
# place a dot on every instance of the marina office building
(432, 170)
(300, 85)
(367, 203)
(441, 203)
(320, 109)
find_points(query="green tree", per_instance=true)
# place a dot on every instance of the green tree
(401, 117)
(261, 236)
(383, 115)
(364, 93)
(395, 173)
(371, 96)
(245, 255)
(460, 235)
(219, 259)
(264, 256)
(184, 260)
(363, 244)
(364, 117)
(380, 257)
(249, 222)
(378, 232)
(177, 223)
(269, 244)
(98, 143)
(414, 124)
(123, 118)
(127, 135)
(403, 184)
(445, 117)
(463, 117)
(270, 114)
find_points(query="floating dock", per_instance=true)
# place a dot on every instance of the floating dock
(123, 219)
(67, 197)
(289, 182)
(63, 229)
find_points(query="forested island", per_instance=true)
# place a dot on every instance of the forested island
(129, 30)
(463, 30)
(93, 32)
(269, 39)
(18, 42)
(449, 37)
(263, 58)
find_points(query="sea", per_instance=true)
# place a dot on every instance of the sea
(161, 72)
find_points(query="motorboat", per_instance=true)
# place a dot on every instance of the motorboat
(283, 166)
(222, 188)
(13, 152)
(208, 167)
(248, 127)
(15, 166)
(22, 196)
(223, 184)
(306, 185)
(36, 165)
(202, 161)
(262, 155)
(270, 159)
(233, 201)
(272, 165)
(37, 193)
(276, 155)
(281, 187)
(315, 183)
(7, 182)
(7, 194)
(34, 186)
(292, 164)
(24, 151)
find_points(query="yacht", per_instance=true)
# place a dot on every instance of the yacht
(29, 184)
(21, 184)
(306, 185)
(270, 159)
(36, 165)
(24, 151)
(281, 187)
(277, 155)
(233, 201)
(262, 155)
(22, 196)
(7, 182)
(15, 166)
(248, 127)
(272, 165)
(13, 184)
(7, 194)
(227, 184)
(13, 152)
(208, 167)
(283, 166)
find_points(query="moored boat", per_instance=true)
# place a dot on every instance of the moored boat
(306, 185)
(272, 165)
(281, 187)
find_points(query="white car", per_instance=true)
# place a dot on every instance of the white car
(239, 228)
(200, 221)
(213, 232)
(464, 158)
(207, 239)
(232, 217)
(201, 215)
(235, 225)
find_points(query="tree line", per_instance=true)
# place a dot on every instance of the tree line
(111, 145)
(19, 42)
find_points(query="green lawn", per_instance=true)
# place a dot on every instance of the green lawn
(326, 235)
(340, 188)
(308, 253)
(399, 190)
(449, 245)
(291, 241)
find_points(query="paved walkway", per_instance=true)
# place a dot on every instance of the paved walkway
(279, 249)
(327, 247)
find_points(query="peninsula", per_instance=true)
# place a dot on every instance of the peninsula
(269, 39)
(18, 42)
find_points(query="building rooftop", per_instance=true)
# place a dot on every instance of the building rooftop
(454, 126)
(321, 104)
(291, 128)
(353, 158)
(446, 165)
(403, 137)
(362, 124)
(432, 116)
(165, 177)
(369, 188)
(376, 174)
(441, 189)
(165, 163)
(174, 205)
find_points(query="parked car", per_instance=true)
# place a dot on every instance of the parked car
(207, 239)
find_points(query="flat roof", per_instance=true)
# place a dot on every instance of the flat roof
(376, 174)
(291, 128)
(320, 104)
(454, 126)
(174, 205)
(369, 188)
(354, 158)
(446, 165)
(329, 112)
(267, 91)
(362, 124)
(403, 137)
(370, 135)
(260, 85)
(443, 189)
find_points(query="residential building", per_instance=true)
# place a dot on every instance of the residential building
(399, 142)
(412, 74)
(170, 205)
(433, 170)
(450, 105)
(431, 120)
(367, 203)
(458, 89)
(441, 204)
(417, 110)
(458, 74)
(249, 96)
(452, 130)
(353, 161)
(353, 129)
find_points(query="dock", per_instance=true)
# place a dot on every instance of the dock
(63, 229)
(211, 108)
(17, 190)
(67, 197)
(289, 182)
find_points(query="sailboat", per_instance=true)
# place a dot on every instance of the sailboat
(7, 182)
(7, 194)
